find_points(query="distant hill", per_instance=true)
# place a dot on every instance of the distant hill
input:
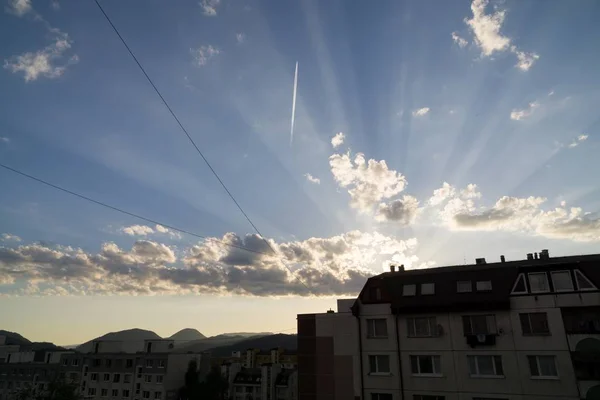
(135, 338)
(288, 342)
(187, 335)
(245, 334)
(13, 338)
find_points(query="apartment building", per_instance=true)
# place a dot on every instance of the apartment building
(154, 371)
(527, 329)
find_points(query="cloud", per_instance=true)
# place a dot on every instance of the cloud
(144, 230)
(580, 138)
(240, 38)
(48, 62)
(7, 237)
(458, 40)
(19, 7)
(312, 179)
(4, 139)
(458, 211)
(337, 265)
(403, 211)
(338, 139)
(487, 36)
(203, 54)
(209, 7)
(367, 182)
(55, 5)
(518, 115)
(420, 112)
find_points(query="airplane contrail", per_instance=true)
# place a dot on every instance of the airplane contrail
(294, 104)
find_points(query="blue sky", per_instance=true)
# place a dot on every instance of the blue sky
(426, 133)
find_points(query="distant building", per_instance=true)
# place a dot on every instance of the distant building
(267, 382)
(521, 330)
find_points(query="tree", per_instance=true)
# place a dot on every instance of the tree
(214, 386)
(57, 390)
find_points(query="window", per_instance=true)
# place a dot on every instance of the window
(127, 378)
(379, 364)
(381, 396)
(485, 366)
(161, 363)
(125, 393)
(65, 362)
(92, 391)
(581, 319)
(583, 283)
(562, 282)
(157, 395)
(409, 290)
(427, 288)
(97, 362)
(425, 365)
(463, 286)
(479, 324)
(483, 286)
(94, 376)
(106, 377)
(159, 379)
(149, 363)
(542, 366)
(377, 328)
(421, 327)
(147, 378)
(533, 324)
(519, 287)
(115, 393)
(427, 397)
(374, 294)
(73, 376)
(116, 378)
(108, 362)
(146, 394)
(104, 392)
(129, 363)
(75, 362)
(538, 282)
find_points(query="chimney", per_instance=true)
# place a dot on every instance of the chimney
(392, 268)
(480, 261)
(544, 255)
(529, 256)
(502, 259)
(536, 256)
(330, 311)
(401, 268)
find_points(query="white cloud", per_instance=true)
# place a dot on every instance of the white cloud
(337, 265)
(442, 194)
(312, 179)
(4, 139)
(458, 40)
(368, 182)
(209, 7)
(525, 60)
(420, 112)
(486, 28)
(144, 230)
(203, 54)
(55, 5)
(518, 115)
(240, 38)
(19, 7)
(403, 211)
(338, 139)
(7, 237)
(43, 63)
(579, 139)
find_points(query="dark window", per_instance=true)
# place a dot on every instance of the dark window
(146, 394)
(97, 362)
(125, 393)
(421, 327)
(425, 365)
(149, 363)
(583, 283)
(115, 393)
(520, 286)
(482, 366)
(104, 392)
(129, 363)
(587, 370)
(377, 328)
(428, 397)
(379, 364)
(561, 280)
(116, 378)
(108, 362)
(157, 395)
(484, 286)
(542, 366)
(381, 396)
(534, 323)
(538, 282)
(479, 324)
(582, 320)
(463, 286)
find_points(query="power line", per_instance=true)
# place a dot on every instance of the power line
(114, 208)
(181, 126)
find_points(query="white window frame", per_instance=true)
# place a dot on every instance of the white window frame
(552, 273)
(435, 373)
(476, 357)
(578, 273)
(540, 376)
(487, 288)
(492, 331)
(372, 332)
(521, 276)
(411, 323)
(531, 286)
(409, 290)
(458, 286)
(377, 372)
(430, 289)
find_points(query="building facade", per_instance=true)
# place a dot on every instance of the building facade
(516, 330)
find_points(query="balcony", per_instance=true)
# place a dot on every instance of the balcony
(481, 340)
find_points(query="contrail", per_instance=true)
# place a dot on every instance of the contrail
(294, 104)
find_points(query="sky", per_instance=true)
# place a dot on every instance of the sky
(422, 133)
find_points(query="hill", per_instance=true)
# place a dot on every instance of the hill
(288, 342)
(13, 338)
(134, 338)
(187, 335)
